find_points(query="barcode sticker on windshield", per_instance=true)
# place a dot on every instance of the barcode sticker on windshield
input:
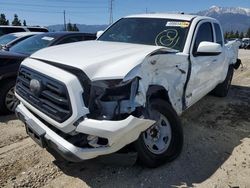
(48, 38)
(178, 24)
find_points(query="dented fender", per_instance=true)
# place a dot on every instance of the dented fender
(164, 68)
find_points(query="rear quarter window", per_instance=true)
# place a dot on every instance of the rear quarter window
(218, 34)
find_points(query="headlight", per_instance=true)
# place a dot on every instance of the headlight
(115, 90)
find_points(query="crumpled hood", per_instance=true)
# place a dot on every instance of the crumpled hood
(98, 59)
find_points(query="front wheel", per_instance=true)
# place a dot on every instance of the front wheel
(163, 141)
(8, 100)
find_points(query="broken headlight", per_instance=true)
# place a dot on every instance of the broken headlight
(113, 97)
(115, 90)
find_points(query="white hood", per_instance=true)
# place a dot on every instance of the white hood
(98, 59)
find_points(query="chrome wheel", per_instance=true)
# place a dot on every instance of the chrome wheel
(158, 137)
(10, 100)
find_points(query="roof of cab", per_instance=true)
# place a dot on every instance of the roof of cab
(186, 17)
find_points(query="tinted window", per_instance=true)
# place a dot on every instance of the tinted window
(7, 30)
(7, 38)
(71, 39)
(32, 29)
(32, 44)
(90, 37)
(205, 33)
(149, 31)
(18, 40)
(218, 34)
(76, 39)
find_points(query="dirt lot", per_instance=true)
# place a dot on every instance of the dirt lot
(216, 151)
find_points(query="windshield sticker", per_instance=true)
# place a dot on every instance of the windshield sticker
(168, 38)
(48, 38)
(178, 24)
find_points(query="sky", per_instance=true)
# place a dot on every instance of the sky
(91, 12)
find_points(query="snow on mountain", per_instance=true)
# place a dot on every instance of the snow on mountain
(224, 10)
(231, 18)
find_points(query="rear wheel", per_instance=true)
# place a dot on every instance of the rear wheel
(8, 100)
(163, 141)
(222, 89)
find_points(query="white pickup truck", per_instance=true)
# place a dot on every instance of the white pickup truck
(127, 88)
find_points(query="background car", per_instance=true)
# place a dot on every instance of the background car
(13, 29)
(10, 61)
(9, 40)
(245, 43)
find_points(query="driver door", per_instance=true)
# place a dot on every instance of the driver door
(203, 66)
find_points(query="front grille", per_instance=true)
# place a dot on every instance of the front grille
(51, 98)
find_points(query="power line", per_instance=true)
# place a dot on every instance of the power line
(55, 6)
(64, 20)
(48, 12)
(29, 10)
(111, 12)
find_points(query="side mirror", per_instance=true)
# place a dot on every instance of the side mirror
(99, 33)
(208, 49)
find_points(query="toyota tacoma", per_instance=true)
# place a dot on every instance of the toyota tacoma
(127, 88)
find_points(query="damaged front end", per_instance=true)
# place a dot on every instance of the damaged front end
(113, 99)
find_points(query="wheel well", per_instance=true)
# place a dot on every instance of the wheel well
(7, 79)
(159, 92)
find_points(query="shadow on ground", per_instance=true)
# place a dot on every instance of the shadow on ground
(6, 118)
(213, 128)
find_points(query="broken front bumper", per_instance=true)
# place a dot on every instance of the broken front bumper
(118, 134)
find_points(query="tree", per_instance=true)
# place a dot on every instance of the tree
(231, 34)
(16, 21)
(24, 23)
(241, 35)
(226, 35)
(69, 27)
(75, 28)
(3, 20)
(237, 35)
(248, 33)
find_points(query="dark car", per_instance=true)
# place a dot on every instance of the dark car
(10, 61)
(246, 43)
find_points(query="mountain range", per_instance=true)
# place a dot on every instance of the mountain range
(231, 18)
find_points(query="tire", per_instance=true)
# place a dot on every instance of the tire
(158, 154)
(222, 89)
(8, 101)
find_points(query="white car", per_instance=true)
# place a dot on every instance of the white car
(128, 87)
(9, 40)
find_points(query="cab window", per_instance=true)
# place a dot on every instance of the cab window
(205, 33)
(218, 34)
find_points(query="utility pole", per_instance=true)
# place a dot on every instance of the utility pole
(64, 18)
(111, 12)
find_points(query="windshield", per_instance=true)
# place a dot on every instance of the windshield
(32, 44)
(6, 39)
(149, 31)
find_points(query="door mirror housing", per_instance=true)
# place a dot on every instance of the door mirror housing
(99, 33)
(208, 49)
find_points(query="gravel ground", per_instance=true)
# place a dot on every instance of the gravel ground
(216, 151)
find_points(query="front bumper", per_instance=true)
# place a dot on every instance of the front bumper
(118, 134)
